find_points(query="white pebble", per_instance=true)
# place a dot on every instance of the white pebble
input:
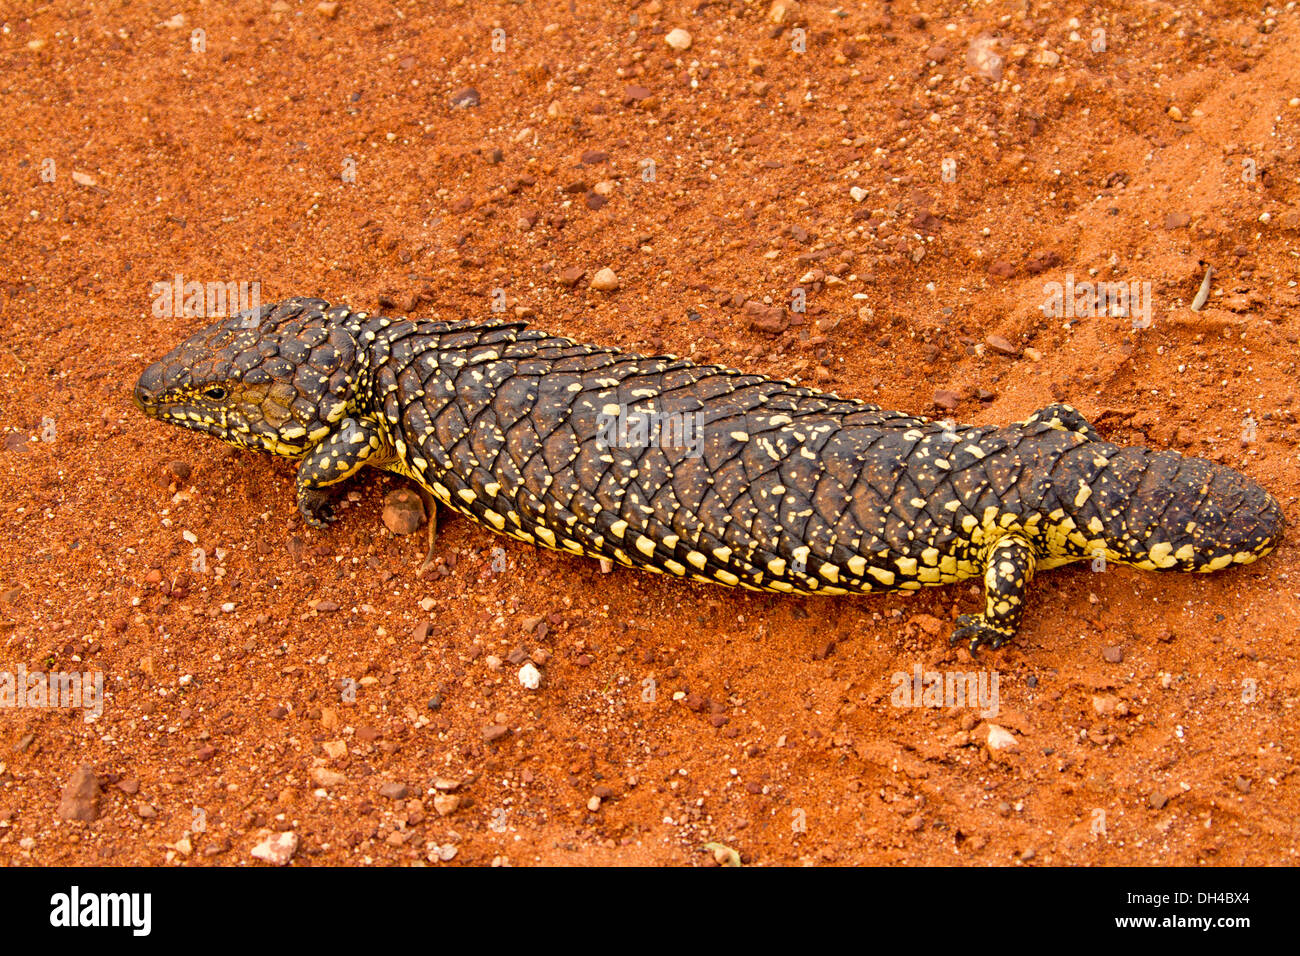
(530, 677)
(678, 39)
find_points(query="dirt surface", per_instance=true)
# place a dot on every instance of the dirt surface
(270, 685)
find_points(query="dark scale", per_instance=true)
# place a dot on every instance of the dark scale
(763, 485)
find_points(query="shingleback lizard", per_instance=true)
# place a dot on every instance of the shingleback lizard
(741, 479)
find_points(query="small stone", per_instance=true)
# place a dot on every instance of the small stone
(335, 749)
(324, 777)
(857, 193)
(1002, 269)
(1104, 704)
(129, 785)
(403, 511)
(329, 10)
(605, 280)
(678, 39)
(946, 399)
(1175, 114)
(446, 803)
(465, 99)
(1001, 739)
(983, 59)
(1157, 799)
(395, 791)
(593, 804)
(637, 94)
(530, 676)
(494, 732)
(80, 797)
(766, 318)
(1176, 220)
(1000, 345)
(1113, 654)
(441, 853)
(276, 848)
(929, 624)
(180, 470)
(571, 275)
(782, 11)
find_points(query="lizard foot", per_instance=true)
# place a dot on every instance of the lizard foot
(973, 629)
(317, 507)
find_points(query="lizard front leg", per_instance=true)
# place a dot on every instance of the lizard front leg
(1008, 568)
(352, 443)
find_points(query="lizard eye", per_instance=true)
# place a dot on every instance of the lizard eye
(216, 393)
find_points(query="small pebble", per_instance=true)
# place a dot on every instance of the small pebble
(678, 39)
(1000, 345)
(446, 804)
(465, 99)
(80, 797)
(403, 511)
(1001, 739)
(605, 281)
(276, 848)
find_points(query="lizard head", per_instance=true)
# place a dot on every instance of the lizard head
(272, 379)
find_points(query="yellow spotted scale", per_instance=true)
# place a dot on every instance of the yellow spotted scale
(698, 471)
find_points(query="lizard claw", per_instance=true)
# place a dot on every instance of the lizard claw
(317, 508)
(974, 629)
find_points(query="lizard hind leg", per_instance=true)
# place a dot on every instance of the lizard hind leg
(1008, 568)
